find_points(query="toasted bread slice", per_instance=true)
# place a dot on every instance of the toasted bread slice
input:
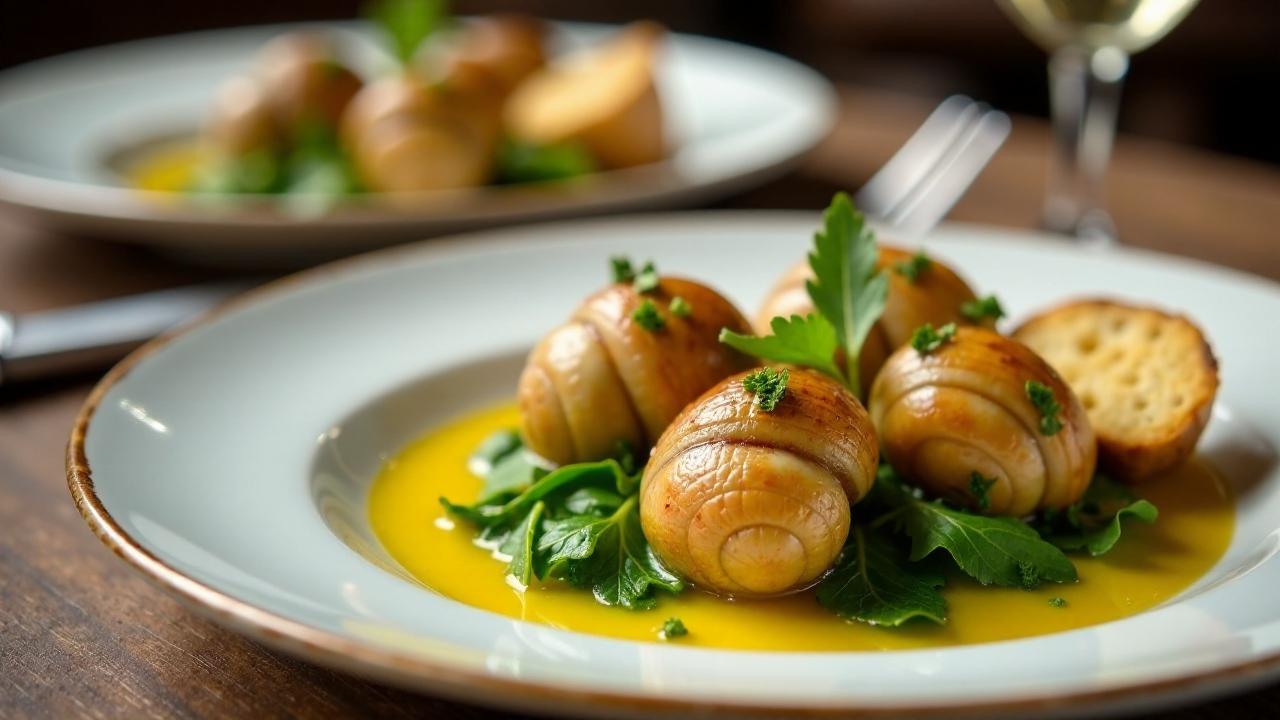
(1146, 378)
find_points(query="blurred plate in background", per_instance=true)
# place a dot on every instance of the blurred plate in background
(736, 116)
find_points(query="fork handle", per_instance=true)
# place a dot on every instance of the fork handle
(92, 336)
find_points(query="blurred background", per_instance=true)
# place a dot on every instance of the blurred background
(1205, 85)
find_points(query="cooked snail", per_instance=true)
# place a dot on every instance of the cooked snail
(603, 377)
(242, 121)
(934, 296)
(506, 47)
(752, 503)
(304, 81)
(965, 414)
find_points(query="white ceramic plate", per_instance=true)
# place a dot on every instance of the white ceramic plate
(231, 465)
(736, 115)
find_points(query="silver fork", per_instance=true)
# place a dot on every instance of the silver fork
(933, 169)
(908, 196)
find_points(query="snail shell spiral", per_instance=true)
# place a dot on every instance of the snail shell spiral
(935, 297)
(602, 378)
(964, 408)
(751, 503)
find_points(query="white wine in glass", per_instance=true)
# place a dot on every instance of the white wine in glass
(1089, 42)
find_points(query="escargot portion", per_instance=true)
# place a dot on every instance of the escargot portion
(985, 422)
(751, 503)
(933, 295)
(606, 377)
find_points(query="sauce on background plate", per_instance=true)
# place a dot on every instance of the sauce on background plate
(1151, 564)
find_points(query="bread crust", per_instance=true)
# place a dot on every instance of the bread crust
(1152, 446)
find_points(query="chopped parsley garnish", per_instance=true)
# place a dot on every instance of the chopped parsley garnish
(981, 309)
(768, 385)
(978, 487)
(1057, 602)
(925, 339)
(648, 317)
(1047, 405)
(912, 267)
(647, 279)
(680, 307)
(672, 629)
(623, 272)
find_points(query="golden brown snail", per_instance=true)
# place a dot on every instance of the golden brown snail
(506, 47)
(304, 80)
(242, 121)
(752, 503)
(964, 415)
(933, 296)
(604, 377)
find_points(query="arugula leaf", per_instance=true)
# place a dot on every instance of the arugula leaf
(992, 550)
(680, 307)
(925, 339)
(981, 309)
(846, 287)
(608, 554)
(1094, 523)
(912, 267)
(497, 446)
(646, 315)
(768, 385)
(520, 543)
(522, 162)
(513, 474)
(1044, 401)
(606, 473)
(873, 582)
(407, 22)
(809, 341)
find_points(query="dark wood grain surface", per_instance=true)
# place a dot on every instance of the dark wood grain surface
(82, 635)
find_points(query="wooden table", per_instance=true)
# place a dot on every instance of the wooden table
(81, 634)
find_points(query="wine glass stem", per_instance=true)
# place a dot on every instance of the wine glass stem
(1084, 85)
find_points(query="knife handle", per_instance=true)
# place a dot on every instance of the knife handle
(92, 336)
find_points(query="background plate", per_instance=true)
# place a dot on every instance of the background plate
(207, 461)
(736, 116)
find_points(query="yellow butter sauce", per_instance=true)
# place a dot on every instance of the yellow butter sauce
(168, 168)
(1151, 564)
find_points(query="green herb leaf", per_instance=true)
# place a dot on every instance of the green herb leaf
(673, 628)
(912, 267)
(992, 550)
(680, 307)
(519, 545)
(873, 583)
(407, 22)
(1057, 602)
(981, 309)
(623, 272)
(768, 385)
(978, 487)
(512, 475)
(925, 339)
(522, 162)
(1044, 401)
(492, 449)
(846, 287)
(647, 279)
(608, 554)
(489, 513)
(808, 341)
(1095, 523)
(648, 317)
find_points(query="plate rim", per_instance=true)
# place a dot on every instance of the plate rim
(372, 660)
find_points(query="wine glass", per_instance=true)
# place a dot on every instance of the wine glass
(1089, 42)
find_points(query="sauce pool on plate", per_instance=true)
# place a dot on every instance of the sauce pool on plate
(1152, 564)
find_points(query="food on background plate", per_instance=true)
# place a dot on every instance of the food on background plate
(747, 493)
(470, 103)
(980, 420)
(765, 490)
(633, 355)
(1147, 379)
